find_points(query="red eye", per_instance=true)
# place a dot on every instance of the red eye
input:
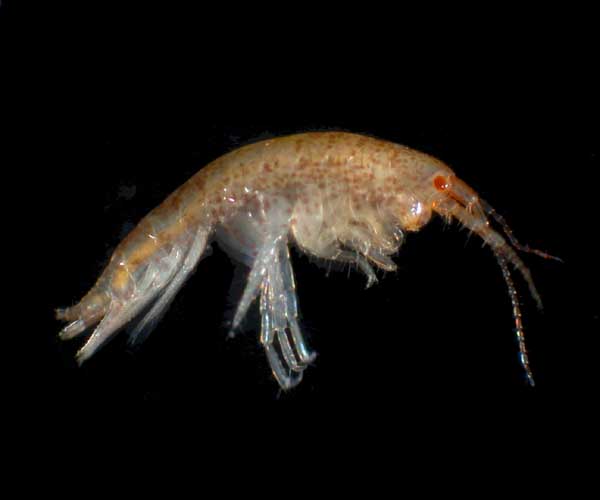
(440, 183)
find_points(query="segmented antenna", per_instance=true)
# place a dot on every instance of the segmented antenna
(514, 297)
(489, 210)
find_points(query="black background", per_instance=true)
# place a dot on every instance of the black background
(109, 109)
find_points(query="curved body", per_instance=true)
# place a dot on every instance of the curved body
(337, 196)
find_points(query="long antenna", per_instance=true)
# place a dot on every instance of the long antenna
(488, 209)
(520, 332)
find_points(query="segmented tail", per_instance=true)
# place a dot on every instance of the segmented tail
(146, 296)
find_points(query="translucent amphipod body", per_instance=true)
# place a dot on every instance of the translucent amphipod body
(337, 196)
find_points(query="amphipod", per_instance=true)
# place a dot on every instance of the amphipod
(337, 196)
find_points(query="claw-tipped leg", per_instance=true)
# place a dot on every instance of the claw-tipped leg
(278, 307)
(286, 379)
(271, 276)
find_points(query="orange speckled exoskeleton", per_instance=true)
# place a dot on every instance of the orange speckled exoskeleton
(335, 195)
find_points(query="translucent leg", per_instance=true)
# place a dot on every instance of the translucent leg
(284, 380)
(381, 260)
(306, 356)
(286, 352)
(279, 304)
(252, 289)
(283, 376)
(266, 330)
(265, 232)
(361, 262)
(289, 287)
(352, 257)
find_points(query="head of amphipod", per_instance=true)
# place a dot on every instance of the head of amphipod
(450, 194)
(447, 195)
